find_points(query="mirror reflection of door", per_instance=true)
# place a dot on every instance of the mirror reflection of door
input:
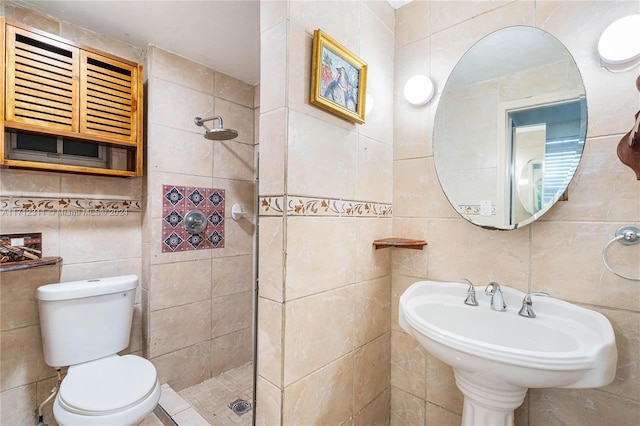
(528, 178)
(544, 154)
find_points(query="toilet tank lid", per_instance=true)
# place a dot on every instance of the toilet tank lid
(87, 288)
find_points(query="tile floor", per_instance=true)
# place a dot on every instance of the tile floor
(207, 404)
(152, 420)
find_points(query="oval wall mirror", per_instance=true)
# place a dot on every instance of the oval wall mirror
(510, 128)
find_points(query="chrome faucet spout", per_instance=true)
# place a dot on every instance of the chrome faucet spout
(471, 294)
(527, 305)
(497, 299)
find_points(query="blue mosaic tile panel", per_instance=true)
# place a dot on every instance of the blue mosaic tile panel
(177, 201)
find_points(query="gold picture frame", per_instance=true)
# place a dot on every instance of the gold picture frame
(338, 78)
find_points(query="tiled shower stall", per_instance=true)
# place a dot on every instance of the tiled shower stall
(197, 294)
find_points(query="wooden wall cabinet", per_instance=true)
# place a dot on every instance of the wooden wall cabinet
(56, 87)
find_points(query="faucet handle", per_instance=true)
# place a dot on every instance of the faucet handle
(471, 294)
(527, 305)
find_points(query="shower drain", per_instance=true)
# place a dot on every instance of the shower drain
(240, 406)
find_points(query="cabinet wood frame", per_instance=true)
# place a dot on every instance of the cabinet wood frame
(113, 117)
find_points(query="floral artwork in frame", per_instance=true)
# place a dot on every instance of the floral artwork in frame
(338, 79)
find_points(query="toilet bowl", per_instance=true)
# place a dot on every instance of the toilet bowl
(84, 324)
(128, 391)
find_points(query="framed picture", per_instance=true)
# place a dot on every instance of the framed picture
(338, 78)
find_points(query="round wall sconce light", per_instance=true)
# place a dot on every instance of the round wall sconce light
(419, 90)
(619, 44)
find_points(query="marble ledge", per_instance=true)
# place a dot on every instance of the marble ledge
(27, 264)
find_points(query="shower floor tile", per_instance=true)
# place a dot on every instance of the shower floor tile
(212, 397)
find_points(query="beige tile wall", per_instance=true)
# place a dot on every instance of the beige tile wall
(430, 37)
(198, 304)
(560, 253)
(90, 246)
(22, 367)
(323, 326)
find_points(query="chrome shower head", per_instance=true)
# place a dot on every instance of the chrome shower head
(217, 133)
(220, 134)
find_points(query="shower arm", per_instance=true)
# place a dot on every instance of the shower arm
(200, 121)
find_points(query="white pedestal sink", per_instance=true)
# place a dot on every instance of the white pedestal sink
(497, 356)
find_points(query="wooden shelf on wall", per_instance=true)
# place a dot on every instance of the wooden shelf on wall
(400, 243)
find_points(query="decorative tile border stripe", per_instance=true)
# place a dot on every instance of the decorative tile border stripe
(33, 204)
(275, 205)
(473, 210)
(271, 205)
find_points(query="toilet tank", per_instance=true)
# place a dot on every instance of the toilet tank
(83, 321)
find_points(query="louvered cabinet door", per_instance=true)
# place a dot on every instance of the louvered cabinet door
(42, 81)
(55, 87)
(108, 98)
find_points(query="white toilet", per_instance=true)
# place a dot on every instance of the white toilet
(84, 324)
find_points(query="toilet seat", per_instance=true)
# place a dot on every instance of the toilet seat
(107, 386)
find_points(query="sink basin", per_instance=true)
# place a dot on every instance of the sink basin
(497, 356)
